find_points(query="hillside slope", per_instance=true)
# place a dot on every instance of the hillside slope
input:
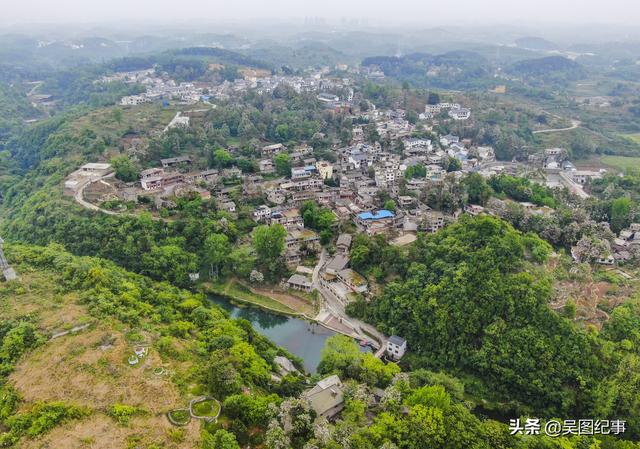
(88, 317)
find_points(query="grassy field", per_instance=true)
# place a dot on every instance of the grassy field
(622, 162)
(235, 290)
(635, 138)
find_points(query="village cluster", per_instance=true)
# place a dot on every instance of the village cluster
(350, 186)
(161, 88)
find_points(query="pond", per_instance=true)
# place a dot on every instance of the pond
(298, 336)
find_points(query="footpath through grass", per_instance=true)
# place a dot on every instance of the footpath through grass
(233, 289)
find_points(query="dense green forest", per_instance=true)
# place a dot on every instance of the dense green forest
(474, 300)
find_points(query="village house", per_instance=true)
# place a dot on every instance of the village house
(134, 100)
(173, 161)
(276, 196)
(432, 109)
(353, 280)
(289, 218)
(266, 166)
(417, 142)
(85, 174)
(585, 176)
(485, 154)
(326, 397)
(460, 113)
(297, 237)
(375, 222)
(447, 140)
(405, 201)
(300, 282)
(325, 169)
(396, 347)
(344, 243)
(272, 150)
(285, 366)
(262, 212)
(229, 206)
(151, 178)
(473, 209)
(95, 169)
(298, 198)
(337, 263)
(299, 173)
(432, 221)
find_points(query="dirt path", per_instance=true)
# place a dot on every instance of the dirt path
(574, 125)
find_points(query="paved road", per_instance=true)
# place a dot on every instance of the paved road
(335, 307)
(79, 197)
(574, 124)
(573, 186)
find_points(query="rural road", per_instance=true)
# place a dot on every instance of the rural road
(335, 307)
(574, 124)
(79, 197)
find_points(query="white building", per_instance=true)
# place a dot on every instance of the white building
(134, 100)
(432, 109)
(299, 173)
(262, 212)
(460, 113)
(584, 176)
(447, 140)
(396, 347)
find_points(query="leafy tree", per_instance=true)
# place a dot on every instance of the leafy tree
(282, 132)
(342, 356)
(222, 158)
(170, 263)
(282, 163)
(222, 439)
(125, 169)
(216, 251)
(339, 355)
(269, 244)
(477, 189)
(117, 115)
(389, 205)
(453, 164)
(415, 171)
(620, 214)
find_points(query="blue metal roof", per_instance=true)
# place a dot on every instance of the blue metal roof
(376, 216)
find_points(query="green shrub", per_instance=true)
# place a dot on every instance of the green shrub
(41, 418)
(123, 413)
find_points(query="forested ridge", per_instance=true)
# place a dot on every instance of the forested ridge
(475, 300)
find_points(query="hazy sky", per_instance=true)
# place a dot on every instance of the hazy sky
(428, 12)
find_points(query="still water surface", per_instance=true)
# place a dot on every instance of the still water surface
(300, 337)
